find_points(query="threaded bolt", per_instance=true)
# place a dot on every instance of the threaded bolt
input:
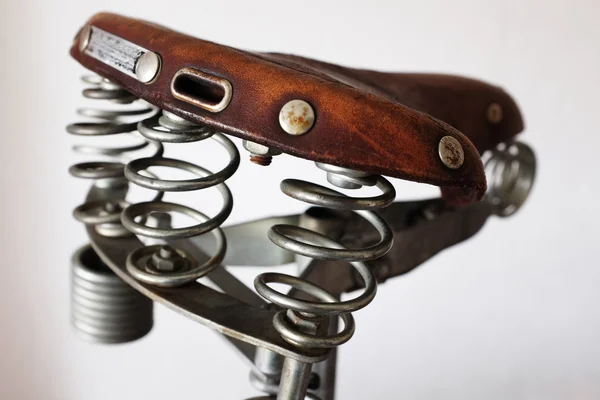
(166, 252)
(166, 259)
(260, 154)
(261, 160)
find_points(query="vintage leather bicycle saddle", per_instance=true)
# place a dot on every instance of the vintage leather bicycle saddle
(384, 123)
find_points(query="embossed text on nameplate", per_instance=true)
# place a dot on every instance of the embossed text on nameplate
(112, 50)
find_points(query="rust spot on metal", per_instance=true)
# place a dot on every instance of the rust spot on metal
(451, 152)
(296, 117)
(261, 160)
(301, 121)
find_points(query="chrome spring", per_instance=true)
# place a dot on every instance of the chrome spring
(105, 215)
(315, 245)
(510, 172)
(164, 265)
(105, 309)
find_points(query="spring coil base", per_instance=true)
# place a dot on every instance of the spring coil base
(105, 309)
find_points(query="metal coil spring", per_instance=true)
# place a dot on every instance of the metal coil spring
(164, 265)
(105, 309)
(510, 172)
(105, 215)
(315, 245)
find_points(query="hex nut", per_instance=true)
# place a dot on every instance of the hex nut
(259, 149)
(317, 325)
(260, 154)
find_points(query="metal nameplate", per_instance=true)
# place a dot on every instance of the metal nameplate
(114, 51)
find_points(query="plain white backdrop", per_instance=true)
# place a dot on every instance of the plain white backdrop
(513, 313)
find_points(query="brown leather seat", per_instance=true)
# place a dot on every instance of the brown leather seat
(365, 120)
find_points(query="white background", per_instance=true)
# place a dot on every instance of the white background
(511, 314)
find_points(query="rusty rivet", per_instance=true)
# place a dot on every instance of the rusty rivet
(494, 113)
(451, 152)
(296, 117)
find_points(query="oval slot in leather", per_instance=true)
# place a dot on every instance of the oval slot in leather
(200, 89)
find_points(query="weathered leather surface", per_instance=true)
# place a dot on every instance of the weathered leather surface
(362, 118)
(459, 101)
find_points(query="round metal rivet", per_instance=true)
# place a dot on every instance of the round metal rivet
(296, 117)
(494, 113)
(147, 67)
(451, 152)
(84, 37)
